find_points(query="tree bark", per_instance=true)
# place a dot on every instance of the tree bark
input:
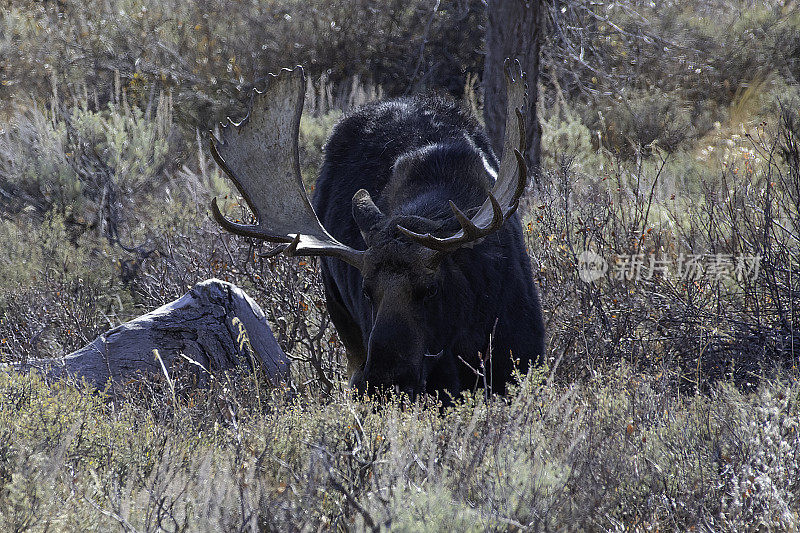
(513, 30)
(215, 325)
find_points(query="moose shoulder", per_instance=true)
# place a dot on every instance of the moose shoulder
(426, 274)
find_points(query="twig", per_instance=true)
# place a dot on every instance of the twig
(351, 499)
(166, 375)
(422, 46)
(124, 523)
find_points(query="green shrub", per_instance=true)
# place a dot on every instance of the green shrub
(656, 65)
(568, 138)
(210, 56)
(314, 132)
(660, 406)
(85, 165)
(619, 451)
(641, 119)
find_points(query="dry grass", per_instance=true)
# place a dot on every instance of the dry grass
(618, 452)
(666, 403)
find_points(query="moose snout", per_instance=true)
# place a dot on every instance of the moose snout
(394, 358)
(378, 389)
(379, 378)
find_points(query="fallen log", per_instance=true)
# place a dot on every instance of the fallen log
(215, 326)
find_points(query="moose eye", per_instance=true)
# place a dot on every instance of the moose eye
(431, 291)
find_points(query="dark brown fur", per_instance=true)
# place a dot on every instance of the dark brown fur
(413, 155)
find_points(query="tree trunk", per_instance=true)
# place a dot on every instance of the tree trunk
(513, 30)
(215, 325)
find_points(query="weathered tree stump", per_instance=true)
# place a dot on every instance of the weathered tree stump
(215, 325)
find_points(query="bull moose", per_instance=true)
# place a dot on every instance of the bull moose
(426, 275)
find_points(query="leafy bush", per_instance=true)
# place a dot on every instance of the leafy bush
(640, 120)
(691, 61)
(85, 165)
(618, 451)
(666, 403)
(212, 54)
(568, 137)
(710, 325)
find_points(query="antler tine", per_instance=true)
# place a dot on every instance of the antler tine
(470, 229)
(425, 239)
(260, 156)
(498, 217)
(512, 177)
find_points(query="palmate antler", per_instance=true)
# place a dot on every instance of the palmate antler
(260, 156)
(504, 198)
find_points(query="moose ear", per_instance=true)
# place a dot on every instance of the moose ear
(365, 212)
